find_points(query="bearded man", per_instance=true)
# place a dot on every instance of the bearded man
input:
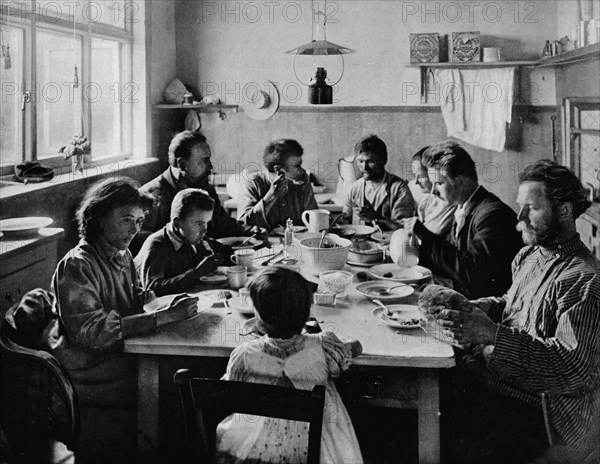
(541, 362)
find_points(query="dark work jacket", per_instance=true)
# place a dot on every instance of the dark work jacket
(478, 261)
(166, 265)
(164, 188)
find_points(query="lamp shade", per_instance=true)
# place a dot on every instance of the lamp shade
(321, 47)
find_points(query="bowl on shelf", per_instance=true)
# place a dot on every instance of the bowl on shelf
(336, 281)
(332, 255)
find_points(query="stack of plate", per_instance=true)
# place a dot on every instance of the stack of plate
(23, 225)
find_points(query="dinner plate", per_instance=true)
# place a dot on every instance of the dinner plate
(232, 241)
(162, 302)
(214, 278)
(237, 304)
(396, 273)
(403, 316)
(213, 295)
(281, 230)
(24, 225)
(383, 238)
(370, 290)
(359, 229)
(355, 263)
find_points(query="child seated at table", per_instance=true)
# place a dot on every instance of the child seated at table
(174, 258)
(287, 357)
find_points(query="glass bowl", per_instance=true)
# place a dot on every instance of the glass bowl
(336, 281)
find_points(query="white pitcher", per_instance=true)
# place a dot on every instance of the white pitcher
(404, 250)
(316, 219)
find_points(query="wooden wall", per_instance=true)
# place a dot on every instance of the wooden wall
(328, 134)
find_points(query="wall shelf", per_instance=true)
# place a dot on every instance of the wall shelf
(201, 108)
(475, 64)
(425, 67)
(589, 52)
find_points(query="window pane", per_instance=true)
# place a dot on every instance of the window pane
(58, 103)
(115, 12)
(107, 97)
(11, 117)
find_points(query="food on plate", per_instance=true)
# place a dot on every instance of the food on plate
(388, 275)
(365, 246)
(436, 298)
(398, 318)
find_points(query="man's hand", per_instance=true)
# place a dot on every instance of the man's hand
(181, 308)
(468, 327)
(209, 264)
(260, 233)
(409, 224)
(278, 189)
(367, 213)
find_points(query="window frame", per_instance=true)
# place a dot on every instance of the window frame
(31, 22)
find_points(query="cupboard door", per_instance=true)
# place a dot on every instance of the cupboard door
(31, 270)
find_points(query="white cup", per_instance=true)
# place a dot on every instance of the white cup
(316, 219)
(237, 276)
(491, 54)
(244, 257)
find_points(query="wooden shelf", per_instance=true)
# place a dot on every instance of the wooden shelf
(589, 52)
(425, 67)
(474, 64)
(200, 108)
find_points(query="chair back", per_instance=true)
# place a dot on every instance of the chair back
(37, 402)
(208, 401)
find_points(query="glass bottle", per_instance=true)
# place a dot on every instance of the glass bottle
(288, 238)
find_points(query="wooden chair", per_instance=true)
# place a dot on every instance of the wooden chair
(207, 401)
(37, 402)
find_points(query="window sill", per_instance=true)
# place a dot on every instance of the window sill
(9, 188)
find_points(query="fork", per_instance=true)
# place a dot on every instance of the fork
(223, 296)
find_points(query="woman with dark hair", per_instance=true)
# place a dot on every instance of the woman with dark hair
(283, 190)
(100, 303)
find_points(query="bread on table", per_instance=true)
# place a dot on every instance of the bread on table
(435, 298)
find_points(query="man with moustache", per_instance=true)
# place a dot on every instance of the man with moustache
(474, 258)
(378, 196)
(190, 167)
(541, 361)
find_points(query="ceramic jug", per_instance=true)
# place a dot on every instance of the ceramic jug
(316, 219)
(348, 172)
(403, 249)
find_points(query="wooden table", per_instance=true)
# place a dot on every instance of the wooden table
(214, 333)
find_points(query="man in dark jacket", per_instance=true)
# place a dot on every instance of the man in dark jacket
(476, 256)
(190, 166)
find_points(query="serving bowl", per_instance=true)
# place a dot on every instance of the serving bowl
(365, 252)
(358, 231)
(332, 255)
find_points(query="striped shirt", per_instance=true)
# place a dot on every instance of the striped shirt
(548, 342)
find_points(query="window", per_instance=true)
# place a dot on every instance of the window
(66, 69)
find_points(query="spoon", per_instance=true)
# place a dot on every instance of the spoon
(386, 311)
(326, 231)
(388, 291)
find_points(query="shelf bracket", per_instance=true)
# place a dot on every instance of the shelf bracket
(424, 71)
